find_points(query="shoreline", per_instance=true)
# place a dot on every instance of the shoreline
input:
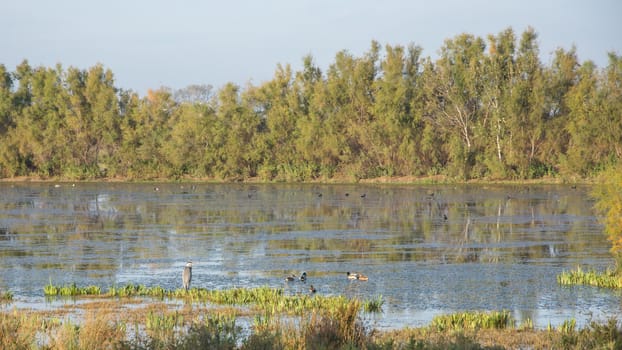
(397, 180)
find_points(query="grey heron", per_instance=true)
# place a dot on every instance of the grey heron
(186, 277)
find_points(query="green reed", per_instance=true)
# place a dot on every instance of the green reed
(70, 290)
(607, 279)
(264, 298)
(6, 296)
(373, 305)
(473, 320)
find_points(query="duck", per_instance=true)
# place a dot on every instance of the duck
(303, 276)
(357, 276)
(312, 289)
(290, 278)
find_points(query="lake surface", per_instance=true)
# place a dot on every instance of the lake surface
(427, 250)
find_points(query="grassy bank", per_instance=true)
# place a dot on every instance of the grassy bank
(115, 325)
(137, 317)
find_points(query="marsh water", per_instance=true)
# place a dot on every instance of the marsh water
(427, 249)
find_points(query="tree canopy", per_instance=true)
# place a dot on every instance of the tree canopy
(486, 108)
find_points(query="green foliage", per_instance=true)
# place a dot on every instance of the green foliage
(609, 203)
(264, 298)
(6, 296)
(473, 321)
(606, 279)
(70, 290)
(486, 108)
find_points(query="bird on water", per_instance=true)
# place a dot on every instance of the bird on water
(357, 276)
(186, 277)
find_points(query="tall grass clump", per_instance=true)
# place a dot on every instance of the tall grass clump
(19, 331)
(70, 290)
(95, 332)
(6, 296)
(473, 320)
(607, 279)
(373, 305)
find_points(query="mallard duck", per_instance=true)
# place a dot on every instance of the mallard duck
(357, 276)
(290, 278)
(303, 276)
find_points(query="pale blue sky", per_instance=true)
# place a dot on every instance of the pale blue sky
(153, 43)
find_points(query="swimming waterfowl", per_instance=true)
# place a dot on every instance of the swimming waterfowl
(290, 278)
(303, 276)
(357, 276)
(312, 289)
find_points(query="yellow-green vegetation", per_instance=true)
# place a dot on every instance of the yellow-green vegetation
(70, 290)
(474, 320)
(485, 108)
(341, 328)
(6, 296)
(606, 279)
(609, 203)
(264, 298)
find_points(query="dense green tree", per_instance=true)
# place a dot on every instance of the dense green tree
(456, 110)
(526, 111)
(483, 109)
(93, 121)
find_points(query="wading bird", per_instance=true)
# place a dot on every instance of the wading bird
(186, 277)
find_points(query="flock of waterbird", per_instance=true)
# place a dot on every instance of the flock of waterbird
(186, 277)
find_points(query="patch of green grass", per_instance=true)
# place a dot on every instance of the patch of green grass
(473, 320)
(263, 298)
(6, 296)
(373, 305)
(607, 279)
(70, 290)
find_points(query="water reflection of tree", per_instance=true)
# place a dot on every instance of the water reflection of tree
(390, 224)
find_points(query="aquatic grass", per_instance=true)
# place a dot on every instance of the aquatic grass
(473, 320)
(163, 322)
(373, 305)
(262, 298)
(6, 296)
(70, 290)
(606, 279)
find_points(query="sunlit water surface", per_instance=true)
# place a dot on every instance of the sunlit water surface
(427, 250)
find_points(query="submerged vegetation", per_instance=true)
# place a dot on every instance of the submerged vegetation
(487, 108)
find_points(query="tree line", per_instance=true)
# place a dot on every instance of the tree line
(486, 108)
